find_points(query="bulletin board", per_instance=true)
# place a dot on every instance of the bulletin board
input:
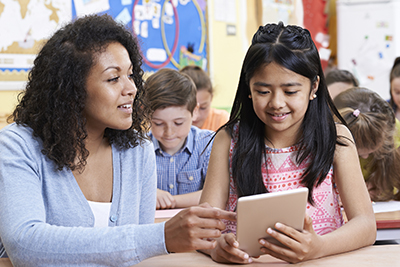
(171, 33)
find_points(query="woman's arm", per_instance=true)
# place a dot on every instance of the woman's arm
(33, 236)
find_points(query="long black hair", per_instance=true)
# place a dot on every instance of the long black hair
(55, 95)
(292, 48)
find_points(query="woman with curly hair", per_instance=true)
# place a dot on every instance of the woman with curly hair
(77, 172)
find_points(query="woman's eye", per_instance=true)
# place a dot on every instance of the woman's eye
(157, 124)
(131, 76)
(113, 79)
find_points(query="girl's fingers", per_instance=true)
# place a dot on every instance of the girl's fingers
(229, 251)
(308, 224)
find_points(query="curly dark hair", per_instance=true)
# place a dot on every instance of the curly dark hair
(55, 96)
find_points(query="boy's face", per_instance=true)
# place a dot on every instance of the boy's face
(170, 126)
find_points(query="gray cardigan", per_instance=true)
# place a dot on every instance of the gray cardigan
(45, 220)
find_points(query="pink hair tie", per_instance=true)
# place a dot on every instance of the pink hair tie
(356, 113)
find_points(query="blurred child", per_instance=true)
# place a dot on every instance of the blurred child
(281, 135)
(340, 80)
(181, 149)
(208, 118)
(395, 87)
(377, 135)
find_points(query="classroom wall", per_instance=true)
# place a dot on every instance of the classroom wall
(8, 100)
(226, 52)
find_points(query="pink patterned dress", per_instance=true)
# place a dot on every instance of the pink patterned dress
(280, 172)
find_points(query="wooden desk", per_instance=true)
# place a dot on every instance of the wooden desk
(373, 256)
(5, 263)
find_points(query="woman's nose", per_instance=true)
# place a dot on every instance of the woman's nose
(129, 87)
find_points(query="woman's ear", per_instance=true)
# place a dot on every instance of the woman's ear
(314, 89)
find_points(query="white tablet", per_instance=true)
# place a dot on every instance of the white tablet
(257, 213)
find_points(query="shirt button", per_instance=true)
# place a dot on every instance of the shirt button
(171, 186)
(113, 218)
(191, 178)
(171, 160)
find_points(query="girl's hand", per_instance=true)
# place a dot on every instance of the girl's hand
(165, 200)
(300, 246)
(227, 251)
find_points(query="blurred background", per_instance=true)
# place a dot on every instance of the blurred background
(356, 35)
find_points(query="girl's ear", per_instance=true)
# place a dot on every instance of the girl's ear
(314, 89)
(195, 114)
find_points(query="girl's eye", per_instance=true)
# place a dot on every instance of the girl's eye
(157, 124)
(263, 92)
(131, 76)
(113, 79)
(291, 92)
(178, 123)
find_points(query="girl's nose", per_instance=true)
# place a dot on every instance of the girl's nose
(277, 100)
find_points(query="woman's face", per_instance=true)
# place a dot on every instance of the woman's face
(110, 91)
(395, 91)
(204, 98)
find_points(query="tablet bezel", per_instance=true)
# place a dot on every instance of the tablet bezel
(257, 213)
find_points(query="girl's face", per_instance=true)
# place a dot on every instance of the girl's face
(395, 91)
(110, 91)
(365, 152)
(280, 100)
(204, 98)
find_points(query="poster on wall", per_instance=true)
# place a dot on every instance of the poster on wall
(24, 27)
(171, 33)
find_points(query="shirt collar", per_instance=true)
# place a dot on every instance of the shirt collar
(189, 143)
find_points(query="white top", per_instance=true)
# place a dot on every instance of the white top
(101, 212)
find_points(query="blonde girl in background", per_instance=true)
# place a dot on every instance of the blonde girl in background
(281, 135)
(376, 132)
(209, 118)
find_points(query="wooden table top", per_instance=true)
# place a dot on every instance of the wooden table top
(372, 256)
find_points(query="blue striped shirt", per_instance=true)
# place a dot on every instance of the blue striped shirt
(185, 171)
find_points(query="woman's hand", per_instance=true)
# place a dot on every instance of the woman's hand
(195, 228)
(227, 251)
(300, 246)
(165, 200)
